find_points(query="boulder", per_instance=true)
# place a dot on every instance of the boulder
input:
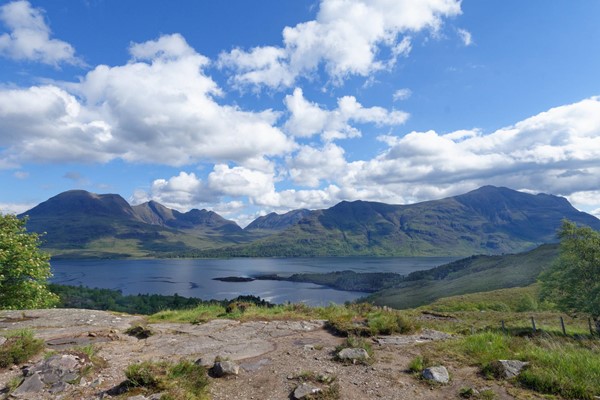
(353, 355)
(304, 390)
(508, 369)
(225, 368)
(437, 374)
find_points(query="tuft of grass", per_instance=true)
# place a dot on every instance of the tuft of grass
(184, 380)
(331, 391)
(364, 319)
(418, 364)
(19, 347)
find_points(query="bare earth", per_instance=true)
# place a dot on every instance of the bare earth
(271, 356)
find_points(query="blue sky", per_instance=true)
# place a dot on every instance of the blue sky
(247, 107)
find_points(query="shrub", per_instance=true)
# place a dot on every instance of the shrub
(19, 347)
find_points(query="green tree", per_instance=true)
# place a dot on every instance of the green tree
(24, 269)
(573, 281)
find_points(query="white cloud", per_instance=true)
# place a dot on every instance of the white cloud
(15, 208)
(159, 108)
(402, 94)
(309, 165)
(307, 118)
(345, 38)
(29, 37)
(556, 152)
(465, 36)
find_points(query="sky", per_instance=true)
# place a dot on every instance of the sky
(249, 107)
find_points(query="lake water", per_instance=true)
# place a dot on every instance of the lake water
(194, 277)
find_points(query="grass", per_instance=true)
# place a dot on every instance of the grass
(19, 347)
(471, 275)
(184, 380)
(560, 366)
(353, 319)
(330, 389)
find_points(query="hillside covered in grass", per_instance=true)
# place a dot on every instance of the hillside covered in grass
(469, 275)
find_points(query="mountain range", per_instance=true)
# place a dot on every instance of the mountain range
(489, 220)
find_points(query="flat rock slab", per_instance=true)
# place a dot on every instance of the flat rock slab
(427, 335)
(65, 322)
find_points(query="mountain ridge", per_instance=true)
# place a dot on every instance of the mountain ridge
(488, 220)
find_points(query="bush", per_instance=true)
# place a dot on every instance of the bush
(19, 347)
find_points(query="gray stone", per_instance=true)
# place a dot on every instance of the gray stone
(437, 374)
(508, 368)
(353, 354)
(304, 390)
(225, 368)
(2, 340)
(31, 384)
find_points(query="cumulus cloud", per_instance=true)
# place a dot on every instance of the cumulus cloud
(309, 165)
(28, 37)
(307, 118)
(556, 152)
(346, 38)
(160, 107)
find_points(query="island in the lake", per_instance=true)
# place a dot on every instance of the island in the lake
(367, 282)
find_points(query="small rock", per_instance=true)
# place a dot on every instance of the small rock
(31, 384)
(2, 340)
(309, 347)
(353, 354)
(92, 334)
(437, 374)
(225, 368)
(305, 390)
(508, 368)
(138, 397)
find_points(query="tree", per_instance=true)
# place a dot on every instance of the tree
(24, 269)
(573, 281)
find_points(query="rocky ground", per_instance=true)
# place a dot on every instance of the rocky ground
(271, 355)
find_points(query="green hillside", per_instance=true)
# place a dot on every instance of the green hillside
(469, 275)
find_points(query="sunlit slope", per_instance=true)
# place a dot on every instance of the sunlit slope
(469, 275)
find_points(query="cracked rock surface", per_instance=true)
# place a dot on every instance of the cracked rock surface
(272, 356)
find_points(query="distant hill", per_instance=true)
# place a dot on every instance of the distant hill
(470, 275)
(489, 220)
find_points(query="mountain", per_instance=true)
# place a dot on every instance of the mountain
(277, 222)
(82, 224)
(489, 220)
(195, 220)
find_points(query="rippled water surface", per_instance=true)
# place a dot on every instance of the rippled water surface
(194, 277)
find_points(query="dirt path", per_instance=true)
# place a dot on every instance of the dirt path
(272, 355)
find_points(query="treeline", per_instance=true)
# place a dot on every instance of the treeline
(114, 300)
